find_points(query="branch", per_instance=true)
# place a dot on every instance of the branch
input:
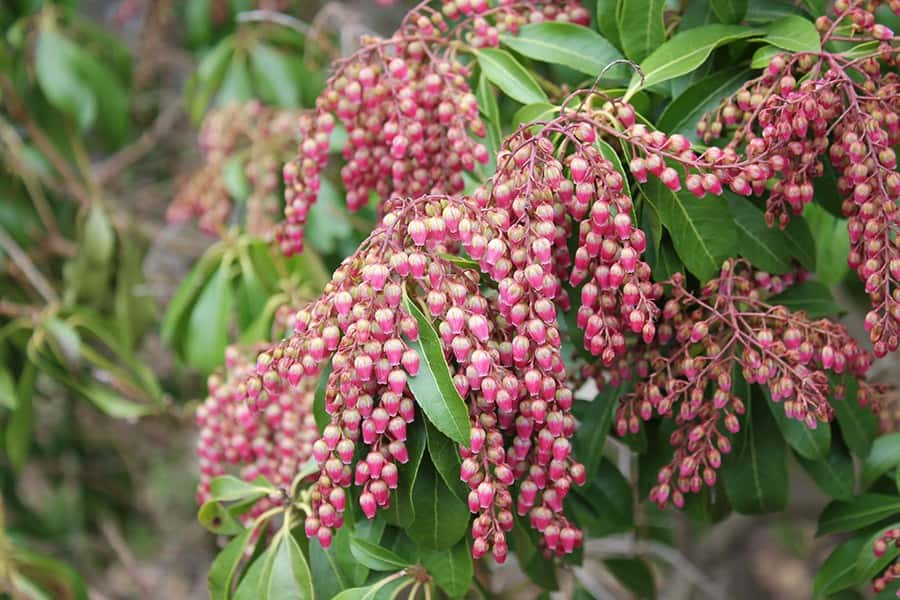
(27, 267)
(273, 16)
(127, 156)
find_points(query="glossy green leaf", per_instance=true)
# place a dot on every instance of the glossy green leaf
(695, 225)
(834, 474)
(838, 572)
(809, 296)
(404, 506)
(755, 471)
(237, 85)
(840, 516)
(884, 456)
(274, 76)
(285, 574)
(801, 242)
(433, 386)
(444, 454)
(487, 104)
(228, 488)
(207, 327)
(765, 247)
(502, 69)
(858, 424)
(539, 111)
(452, 570)
(833, 246)
(612, 156)
(174, 324)
(247, 588)
(793, 33)
(634, 574)
(684, 112)
(381, 589)
(322, 417)
(729, 11)
(539, 570)
(327, 575)
(216, 518)
(62, 84)
(225, 567)
(595, 422)
(605, 505)
(375, 557)
(763, 56)
(812, 444)
(607, 23)
(641, 27)
(442, 519)
(685, 52)
(568, 44)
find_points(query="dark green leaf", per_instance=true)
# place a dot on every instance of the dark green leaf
(838, 572)
(641, 27)
(206, 81)
(809, 296)
(684, 112)
(884, 456)
(868, 565)
(174, 323)
(444, 454)
(685, 52)
(607, 23)
(793, 33)
(327, 576)
(694, 225)
(404, 506)
(539, 111)
(833, 247)
(834, 474)
(766, 247)
(237, 86)
(605, 504)
(452, 570)
(322, 417)
(523, 542)
(17, 434)
(594, 426)
(634, 574)
(375, 557)
(225, 567)
(566, 44)
(62, 84)
(433, 386)
(510, 76)
(111, 97)
(812, 444)
(487, 104)
(8, 396)
(862, 511)
(858, 424)
(441, 518)
(755, 471)
(274, 76)
(730, 11)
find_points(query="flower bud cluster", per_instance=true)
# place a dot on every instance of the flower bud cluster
(891, 537)
(272, 438)
(262, 138)
(807, 109)
(707, 340)
(487, 23)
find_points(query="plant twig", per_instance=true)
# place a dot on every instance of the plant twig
(123, 553)
(127, 156)
(27, 267)
(273, 16)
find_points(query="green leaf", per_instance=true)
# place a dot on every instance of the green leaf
(17, 435)
(433, 386)
(684, 112)
(386, 588)
(44, 572)
(868, 565)
(444, 454)
(228, 488)
(274, 76)
(539, 111)
(884, 456)
(834, 475)
(375, 557)
(8, 395)
(327, 575)
(730, 11)
(403, 506)
(510, 76)
(523, 542)
(237, 86)
(64, 340)
(858, 424)
(566, 44)
(249, 584)
(452, 570)
(755, 472)
(695, 225)
(225, 567)
(59, 79)
(605, 505)
(441, 518)
(834, 243)
(763, 56)
(641, 27)
(205, 82)
(216, 518)
(862, 511)
(684, 53)
(590, 438)
(810, 296)
(99, 237)
(607, 23)
(838, 572)
(319, 412)
(174, 324)
(207, 327)
(111, 97)
(793, 33)
(328, 224)
(252, 293)
(112, 402)
(612, 156)
(766, 247)
(634, 574)
(285, 574)
(487, 104)
(812, 444)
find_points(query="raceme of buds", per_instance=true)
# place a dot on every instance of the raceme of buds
(408, 110)
(889, 538)
(708, 339)
(809, 112)
(273, 438)
(262, 138)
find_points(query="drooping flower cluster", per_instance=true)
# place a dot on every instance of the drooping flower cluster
(707, 339)
(807, 108)
(273, 437)
(891, 537)
(242, 145)
(407, 108)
